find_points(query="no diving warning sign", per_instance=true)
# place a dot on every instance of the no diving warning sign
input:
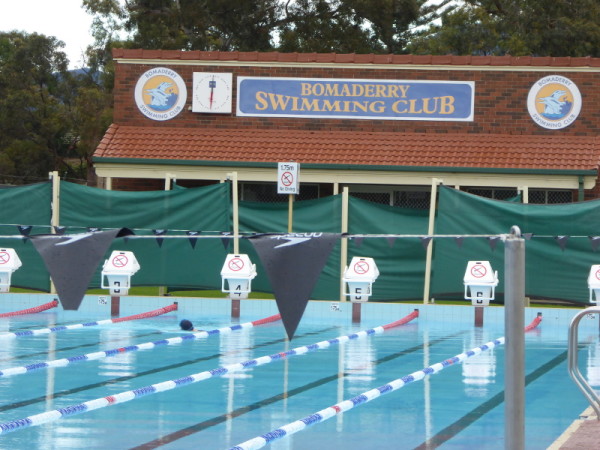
(236, 264)
(120, 261)
(287, 178)
(361, 267)
(4, 257)
(478, 271)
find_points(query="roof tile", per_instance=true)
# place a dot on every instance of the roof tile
(539, 152)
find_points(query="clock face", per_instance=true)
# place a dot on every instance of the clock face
(212, 92)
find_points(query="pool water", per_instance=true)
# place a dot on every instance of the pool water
(460, 407)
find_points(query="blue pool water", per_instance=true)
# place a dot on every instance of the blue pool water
(460, 407)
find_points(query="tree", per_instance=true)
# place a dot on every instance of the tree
(515, 27)
(33, 115)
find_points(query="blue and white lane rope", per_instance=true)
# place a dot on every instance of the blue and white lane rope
(339, 408)
(131, 348)
(39, 331)
(51, 416)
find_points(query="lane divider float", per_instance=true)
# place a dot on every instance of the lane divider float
(131, 348)
(146, 315)
(50, 416)
(345, 405)
(35, 309)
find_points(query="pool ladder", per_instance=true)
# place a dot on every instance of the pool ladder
(580, 381)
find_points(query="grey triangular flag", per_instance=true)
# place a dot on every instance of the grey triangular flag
(459, 241)
(493, 241)
(160, 232)
(73, 259)
(192, 237)
(562, 241)
(293, 263)
(527, 236)
(425, 241)
(595, 240)
(24, 229)
(60, 230)
(225, 240)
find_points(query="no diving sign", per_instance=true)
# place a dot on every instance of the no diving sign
(287, 178)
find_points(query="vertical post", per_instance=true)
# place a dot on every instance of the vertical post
(233, 176)
(344, 243)
(169, 177)
(479, 316)
(55, 218)
(430, 230)
(514, 360)
(290, 212)
(356, 312)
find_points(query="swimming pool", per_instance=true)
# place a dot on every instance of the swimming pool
(460, 407)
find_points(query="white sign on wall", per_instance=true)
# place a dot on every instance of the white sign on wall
(212, 93)
(287, 178)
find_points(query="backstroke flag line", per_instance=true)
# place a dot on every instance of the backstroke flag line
(293, 263)
(72, 260)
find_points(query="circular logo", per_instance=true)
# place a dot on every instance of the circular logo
(554, 102)
(160, 93)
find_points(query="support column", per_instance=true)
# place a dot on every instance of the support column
(344, 242)
(514, 324)
(430, 231)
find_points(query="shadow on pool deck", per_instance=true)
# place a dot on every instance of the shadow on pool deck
(583, 434)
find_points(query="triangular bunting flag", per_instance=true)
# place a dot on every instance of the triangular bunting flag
(24, 229)
(192, 237)
(527, 236)
(293, 263)
(73, 259)
(595, 240)
(562, 241)
(425, 241)
(358, 240)
(160, 232)
(493, 241)
(391, 241)
(459, 241)
(225, 240)
(60, 230)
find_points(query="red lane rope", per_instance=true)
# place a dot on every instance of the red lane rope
(534, 323)
(269, 319)
(411, 316)
(156, 312)
(36, 309)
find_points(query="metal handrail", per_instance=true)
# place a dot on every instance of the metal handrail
(574, 372)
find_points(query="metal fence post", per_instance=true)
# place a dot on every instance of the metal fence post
(514, 361)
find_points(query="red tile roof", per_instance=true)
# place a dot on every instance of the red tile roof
(352, 58)
(497, 151)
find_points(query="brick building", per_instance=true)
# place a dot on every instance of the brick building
(385, 126)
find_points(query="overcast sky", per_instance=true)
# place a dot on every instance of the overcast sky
(63, 19)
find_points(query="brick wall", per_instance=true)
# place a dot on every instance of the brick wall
(500, 99)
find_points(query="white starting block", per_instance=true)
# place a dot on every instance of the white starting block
(238, 273)
(117, 271)
(480, 282)
(360, 276)
(9, 262)
(594, 283)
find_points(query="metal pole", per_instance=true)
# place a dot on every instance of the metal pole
(290, 212)
(344, 243)
(430, 230)
(514, 360)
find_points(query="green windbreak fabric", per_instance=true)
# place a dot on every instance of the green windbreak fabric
(29, 206)
(174, 263)
(322, 215)
(401, 263)
(551, 272)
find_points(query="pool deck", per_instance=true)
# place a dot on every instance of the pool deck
(583, 434)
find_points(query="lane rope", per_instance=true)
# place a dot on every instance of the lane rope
(35, 309)
(146, 315)
(50, 416)
(345, 405)
(131, 348)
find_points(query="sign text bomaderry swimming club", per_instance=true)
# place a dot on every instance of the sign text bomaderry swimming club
(356, 99)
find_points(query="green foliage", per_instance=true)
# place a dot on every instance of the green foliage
(515, 27)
